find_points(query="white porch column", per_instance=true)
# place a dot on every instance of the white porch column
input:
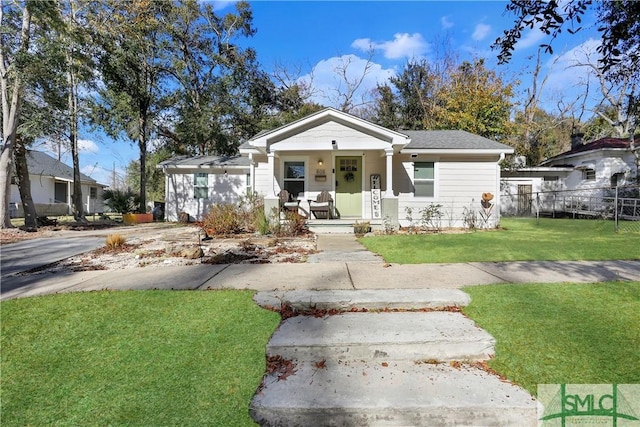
(252, 173)
(69, 208)
(271, 164)
(389, 173)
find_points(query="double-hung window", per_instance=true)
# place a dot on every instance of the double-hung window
(200, 185)
(294, 177)
(424, 179)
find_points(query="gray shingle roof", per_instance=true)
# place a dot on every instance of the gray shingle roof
(204, 161)
(40, 163)
(450, 139)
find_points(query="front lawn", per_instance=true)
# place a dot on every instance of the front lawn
(517, 240)
(562, 333)
(132, 358)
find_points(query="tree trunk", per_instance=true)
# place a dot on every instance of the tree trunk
(11, 95)
(142, 144)
(6, 167)
(78, 205)
(24, 185)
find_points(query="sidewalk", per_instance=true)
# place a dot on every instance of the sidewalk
(342, 264)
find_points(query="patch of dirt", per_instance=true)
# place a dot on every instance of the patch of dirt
(170, 247)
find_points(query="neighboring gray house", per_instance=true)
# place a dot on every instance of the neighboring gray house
(371, 172)
(587, 169)
(52, 187)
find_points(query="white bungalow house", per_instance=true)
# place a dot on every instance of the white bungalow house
(52, 187)
(588, 170)
(371, 172)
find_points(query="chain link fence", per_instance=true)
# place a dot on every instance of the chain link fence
(620, 205)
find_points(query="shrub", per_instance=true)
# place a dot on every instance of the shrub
(262, 224)
(121, 201)
(294, 225)
(430, 217)
(115, 241)
(225, 219)
(361, 228)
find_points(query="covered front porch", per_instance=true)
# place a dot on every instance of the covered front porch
(350, 158)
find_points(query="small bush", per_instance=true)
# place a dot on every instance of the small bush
(223, 220)
(294, 225)
(262, 224)
(115, 241)
(361, 228)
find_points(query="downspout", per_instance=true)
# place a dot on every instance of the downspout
(252, 173)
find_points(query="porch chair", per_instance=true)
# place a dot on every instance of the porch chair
(322, 206)
(287, 203)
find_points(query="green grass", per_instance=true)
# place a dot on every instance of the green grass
(132, 358)
(517, 240)
(562, 333)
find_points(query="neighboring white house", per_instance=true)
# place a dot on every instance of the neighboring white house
(589, 170)
(371, 172)
(52, 187)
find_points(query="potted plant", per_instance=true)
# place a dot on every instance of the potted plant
(126, 203)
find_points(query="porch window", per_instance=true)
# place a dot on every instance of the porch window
(200, 186)
(294, 178)
(617, 179)
(424, 179)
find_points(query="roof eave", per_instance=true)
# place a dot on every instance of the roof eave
(457, 151)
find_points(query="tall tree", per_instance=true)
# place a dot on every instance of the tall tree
(132, 72)
(475, 99)
(14, 47)
(221, 95)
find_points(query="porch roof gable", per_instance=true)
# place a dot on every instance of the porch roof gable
(263, 140)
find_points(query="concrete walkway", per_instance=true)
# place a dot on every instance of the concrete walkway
(342, 263)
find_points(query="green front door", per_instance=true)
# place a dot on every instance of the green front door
(349, 186)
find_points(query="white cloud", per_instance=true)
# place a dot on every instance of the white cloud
(87, 146)
(446, 22)
(403, 45)
(326, 82)
(530, 38)
(564, 69)
(481, 31)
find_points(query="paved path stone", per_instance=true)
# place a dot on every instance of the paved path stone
(382, 368)
(398, 394)
(407, 336)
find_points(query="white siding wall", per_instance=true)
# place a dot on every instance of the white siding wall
(221, 189)
(459, 184)
(42, 190)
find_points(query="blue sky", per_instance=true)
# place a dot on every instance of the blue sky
(314, 37)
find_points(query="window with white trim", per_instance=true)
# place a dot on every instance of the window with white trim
(93, 193)
(294, 172)
(589, 174)
(200, 185)
(424, 179)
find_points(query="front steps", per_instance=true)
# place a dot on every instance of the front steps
(382, 368)
(437, 335)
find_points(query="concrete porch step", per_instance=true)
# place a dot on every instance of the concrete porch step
(369, 299)
(380, 393)
(410, 336)
(397, 299)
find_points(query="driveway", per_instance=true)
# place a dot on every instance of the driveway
(30, 254)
